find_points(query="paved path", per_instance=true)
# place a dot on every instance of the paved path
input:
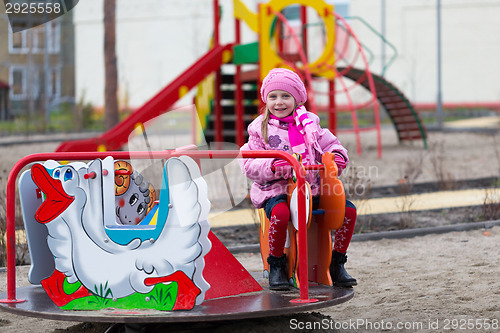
(414, 202)
(426, 201)
(481, 122)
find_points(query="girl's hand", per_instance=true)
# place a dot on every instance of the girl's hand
(282, 169)
(340, 161)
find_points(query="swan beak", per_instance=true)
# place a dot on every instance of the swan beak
(57, 200)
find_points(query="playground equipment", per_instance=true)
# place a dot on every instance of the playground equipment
(320, 222)
(227, 98)
(139, 271)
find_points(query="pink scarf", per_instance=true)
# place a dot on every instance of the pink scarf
(302, 132)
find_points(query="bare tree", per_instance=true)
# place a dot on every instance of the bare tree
(110, 66)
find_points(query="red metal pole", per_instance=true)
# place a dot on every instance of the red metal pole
(332, 116)
(194, 126)
(279, 34)
(303, 19)
(216, 23)
(302, 241)
(238, 93)
(11, 238)
(195, 154)
(217, 105)
(370, 81)
(260, 11)
(218, 125)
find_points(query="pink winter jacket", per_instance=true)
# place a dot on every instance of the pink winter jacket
(266, 184)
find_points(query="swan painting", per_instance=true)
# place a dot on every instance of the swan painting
(87, 261)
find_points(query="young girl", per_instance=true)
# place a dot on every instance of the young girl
(287, 125)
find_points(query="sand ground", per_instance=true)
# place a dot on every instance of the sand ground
(422, 280)
(430, 284)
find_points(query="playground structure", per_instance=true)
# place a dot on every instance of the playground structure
(227, 95)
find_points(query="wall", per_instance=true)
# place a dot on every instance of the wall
(157, 40)
(470, 47)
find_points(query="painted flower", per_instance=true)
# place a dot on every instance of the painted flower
(286, 147)
(274, 141)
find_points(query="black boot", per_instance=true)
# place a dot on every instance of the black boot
(338, 273)
(277, 273)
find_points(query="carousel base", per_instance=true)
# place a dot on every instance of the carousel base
(264, 303)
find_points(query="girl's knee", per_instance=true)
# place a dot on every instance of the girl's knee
(349, 204)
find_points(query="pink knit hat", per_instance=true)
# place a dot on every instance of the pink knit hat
(286, 80)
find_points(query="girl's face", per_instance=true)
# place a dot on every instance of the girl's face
(280, 103)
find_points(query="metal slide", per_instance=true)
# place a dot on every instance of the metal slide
(405, 118)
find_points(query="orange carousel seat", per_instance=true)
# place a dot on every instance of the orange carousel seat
(328, 216)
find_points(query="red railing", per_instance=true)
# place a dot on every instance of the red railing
(195, 154)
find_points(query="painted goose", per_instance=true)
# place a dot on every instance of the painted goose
(79, 202)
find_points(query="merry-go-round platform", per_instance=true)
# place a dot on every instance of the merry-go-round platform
(265, 303)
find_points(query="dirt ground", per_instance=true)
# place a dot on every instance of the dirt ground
(434, 283)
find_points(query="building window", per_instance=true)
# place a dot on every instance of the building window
(37, 79)
(292, 13)
(341, 7)
(36, 38)
(54, 35)
(17, 42)
(54, 82)
(17, 78)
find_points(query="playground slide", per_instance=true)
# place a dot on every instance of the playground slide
(117, 136)
(403, 115)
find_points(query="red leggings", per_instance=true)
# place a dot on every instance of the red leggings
(280, 215)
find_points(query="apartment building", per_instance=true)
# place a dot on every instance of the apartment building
(36, 66)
